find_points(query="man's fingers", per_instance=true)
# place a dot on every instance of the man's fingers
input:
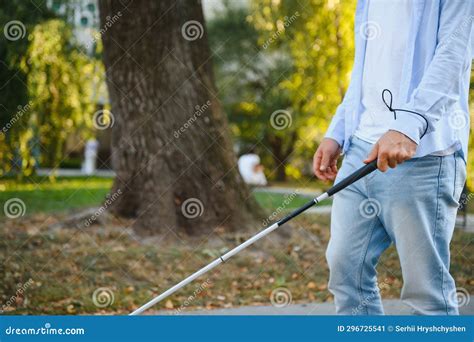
(317, 162)
(317, 165)
(334, 166)
(331, 176)
(331, 171)
(382, 161)
(373, 154)
(323, 173)
(325, 160)
(319, 174)
(392, 162)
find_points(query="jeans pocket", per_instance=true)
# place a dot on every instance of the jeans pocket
(459, 176)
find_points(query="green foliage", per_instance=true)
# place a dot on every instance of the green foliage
(61, 83)
(291, 56)
(13, 79)
(319, 36)
(21, 17)
(470, 161)
(61, 86)
(249, 80)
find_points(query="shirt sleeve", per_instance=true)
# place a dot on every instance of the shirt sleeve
(440, 85)
(336, 129)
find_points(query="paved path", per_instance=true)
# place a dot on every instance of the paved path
(392, 307)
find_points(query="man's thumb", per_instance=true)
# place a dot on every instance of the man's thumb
(373, 154)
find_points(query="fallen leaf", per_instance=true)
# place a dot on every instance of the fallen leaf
(169, 304)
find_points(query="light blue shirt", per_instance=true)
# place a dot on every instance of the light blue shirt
(434, 78)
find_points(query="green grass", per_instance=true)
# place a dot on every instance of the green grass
(41, 194)
(45, 195)
(270, 200)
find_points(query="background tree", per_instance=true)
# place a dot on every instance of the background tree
(470, 161)
(320, 42)
(61, 85)
(289, 60)
(13, 86)
(48, 89)
(171, 148)
(250, 83)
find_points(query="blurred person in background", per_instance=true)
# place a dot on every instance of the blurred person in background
(251, 169)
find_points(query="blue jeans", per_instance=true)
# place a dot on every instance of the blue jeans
(412, 206)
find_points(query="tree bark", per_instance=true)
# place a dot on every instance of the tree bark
(276, 146)
(170, 140)
(280, 153)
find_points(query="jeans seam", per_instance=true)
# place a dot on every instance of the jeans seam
(362, 262)
(455, 176)
(437, 219)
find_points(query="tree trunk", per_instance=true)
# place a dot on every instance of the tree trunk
(279, 160)
(171, 148)
(281, 172)
(281, 154)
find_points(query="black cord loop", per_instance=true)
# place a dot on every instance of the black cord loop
(389, 105)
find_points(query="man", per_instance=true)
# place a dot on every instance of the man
(419, 50)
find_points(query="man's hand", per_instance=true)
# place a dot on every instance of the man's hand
(393, 148)
(325, 159)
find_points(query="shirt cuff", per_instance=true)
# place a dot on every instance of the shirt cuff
(339, 138)
(410, 125)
